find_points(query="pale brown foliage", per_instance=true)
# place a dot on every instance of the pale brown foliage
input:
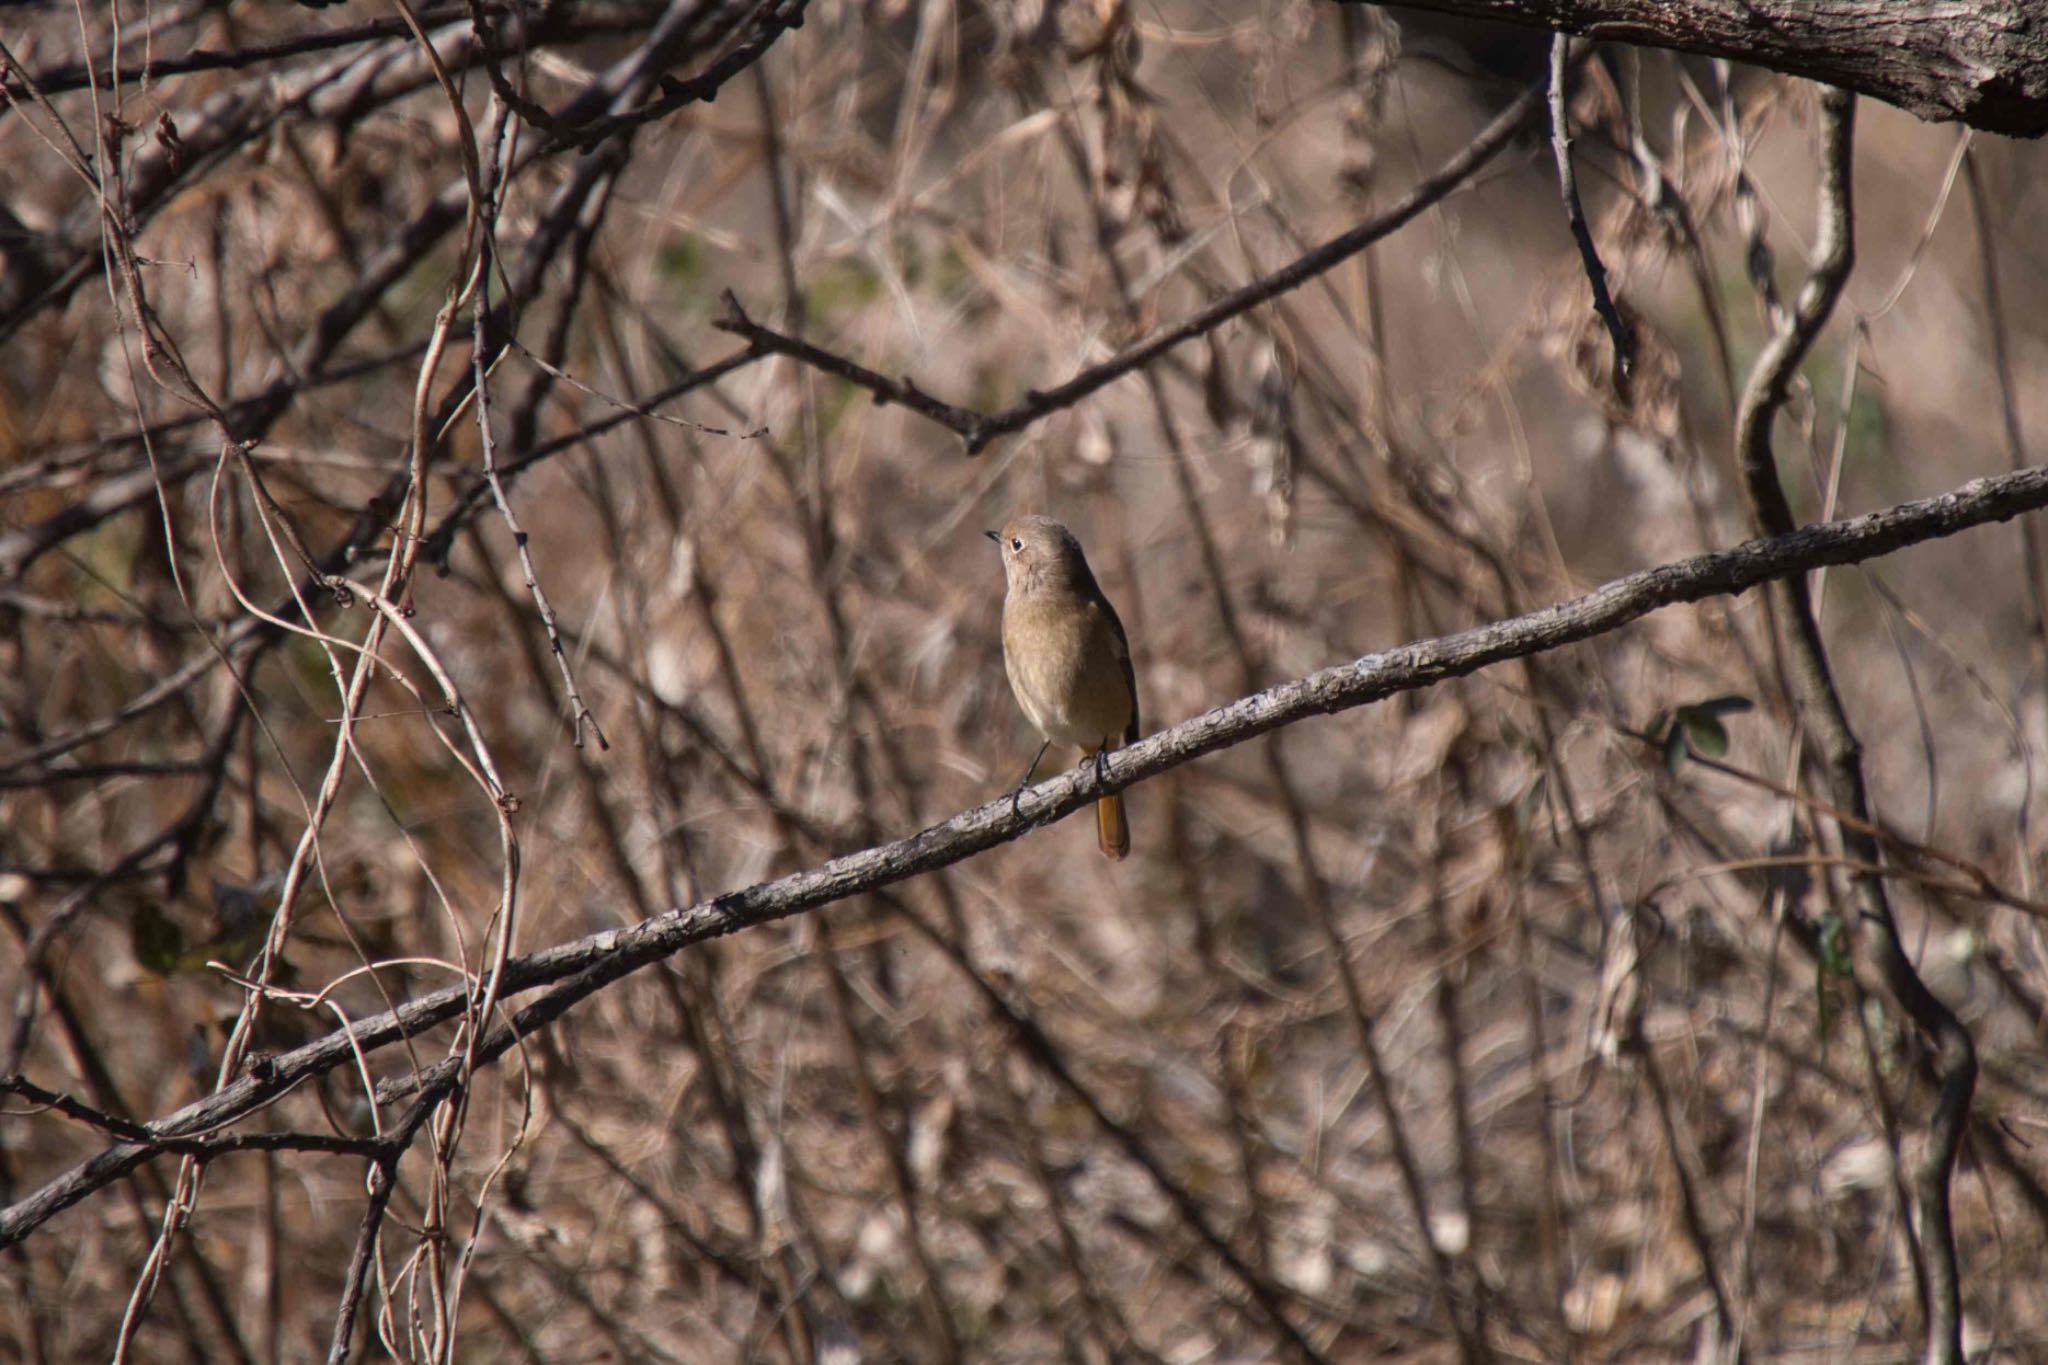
(781, 612)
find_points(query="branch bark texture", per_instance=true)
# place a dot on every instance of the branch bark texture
(573, 971)
(1984, 64)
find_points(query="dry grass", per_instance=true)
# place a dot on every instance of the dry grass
(818, 1138)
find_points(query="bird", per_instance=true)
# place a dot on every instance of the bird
(1068, 658)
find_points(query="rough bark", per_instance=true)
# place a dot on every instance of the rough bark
(1979, 62)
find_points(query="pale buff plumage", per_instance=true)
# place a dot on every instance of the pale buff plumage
(1065, 651)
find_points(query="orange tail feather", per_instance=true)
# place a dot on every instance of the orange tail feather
(1111, 831)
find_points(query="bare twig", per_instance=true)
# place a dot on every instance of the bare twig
(978, 429)
(462, 508)
(770, 21)
(2033, 558)
(1827, 724)
(208, 1145)
(1575, 214)
(586, 965)
(1696, 1230)
(382, 1182)
(579, 711)
(75, 76)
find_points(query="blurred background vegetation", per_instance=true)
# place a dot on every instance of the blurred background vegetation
(819, 1140)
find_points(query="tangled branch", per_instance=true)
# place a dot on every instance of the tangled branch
(574, 971)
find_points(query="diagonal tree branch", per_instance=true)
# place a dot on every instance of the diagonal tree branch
(77, 76)
(1984, 64)
(769, 22)
(1575, 214)
(978, 429)
(578, 969)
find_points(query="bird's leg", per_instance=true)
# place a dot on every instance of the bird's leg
(1101, 757)
(1025, 781)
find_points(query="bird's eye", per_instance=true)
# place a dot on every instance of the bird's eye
(1017, 544)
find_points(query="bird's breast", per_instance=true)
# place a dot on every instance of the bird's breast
(1066, 666)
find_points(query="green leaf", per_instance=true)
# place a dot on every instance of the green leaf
(681, 260)
(156, 942)
(1833, 945)
(1674, 749)
(1831, 968)
(1696, 728)
(1708, 737)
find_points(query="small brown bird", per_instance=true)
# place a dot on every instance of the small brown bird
(1068, 660)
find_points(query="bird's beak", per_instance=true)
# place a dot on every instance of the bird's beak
(993, 536)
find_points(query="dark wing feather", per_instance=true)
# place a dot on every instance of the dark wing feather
(1130, 681)
(1093, 590)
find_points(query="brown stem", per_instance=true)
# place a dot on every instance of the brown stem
(579, 968)
(1826, 723)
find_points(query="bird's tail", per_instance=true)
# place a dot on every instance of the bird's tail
(1111, 831)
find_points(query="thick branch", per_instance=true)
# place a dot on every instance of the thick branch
(1979, 62)
(578, 969)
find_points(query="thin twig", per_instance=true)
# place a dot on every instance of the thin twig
(770, 21)
(76, 76)
(1575, 214)
(586, 965)
(978, 429)
(753, 433)
(1688, 1194)
(1827, 724)
(382, 1181)
(217, 1144)
(2034, 560)
(579, 711)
